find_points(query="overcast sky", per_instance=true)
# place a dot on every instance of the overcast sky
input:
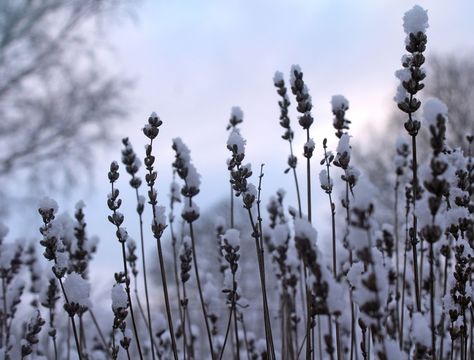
(191, 61)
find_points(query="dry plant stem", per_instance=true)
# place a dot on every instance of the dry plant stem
(99, 331)
(73, 323)
(142, 312)
(4, 320)
(308, 189)
(260, 233)
(404, 273)
(353, 311)
(415, 222)
(231, 207)
(445, 286)
(198, 281)
(145, 282)
(330, 336)
(432, 297)
(165, 291)
(245, 337)
(127, 289)
(183, 324)
(236, 330)
(232, 313)
(266, 316)
(309, 319)
(397, 260)
(229, 321)
(68, 343)
(113, 342)
(295, 177)
(162, 271)
(175, 266)
(308, 179)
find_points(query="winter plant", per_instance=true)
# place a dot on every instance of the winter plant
(389, 284)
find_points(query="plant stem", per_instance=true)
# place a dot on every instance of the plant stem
(165, 291)
(266, 316)
(127, 289)
(145, 282)
(198, 281)
(229, 321)
(415, 222)
(79, 352)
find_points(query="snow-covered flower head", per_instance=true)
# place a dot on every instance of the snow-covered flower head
(77, 290)
(160, 216)
(182, 150)
(304, 229)
(190, 211)
(119, 297)
(236, 117)
(415, 20)
(343, 144)
(236, 142)
(432, 108)
(339, 102)
(294, 68)
(232, 238)
(281, 235)
(278, 77)
(48, 204)
(325, 180)
(237, 113)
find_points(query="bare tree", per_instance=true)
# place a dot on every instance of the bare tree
(56, 99)
(451, 79)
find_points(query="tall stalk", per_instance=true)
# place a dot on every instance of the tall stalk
(151, 130)
(130, 160)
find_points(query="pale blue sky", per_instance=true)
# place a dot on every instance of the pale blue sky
(193, 60)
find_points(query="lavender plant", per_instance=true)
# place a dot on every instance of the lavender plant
(381, 287)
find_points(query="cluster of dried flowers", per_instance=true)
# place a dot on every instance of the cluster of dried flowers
(397, 287)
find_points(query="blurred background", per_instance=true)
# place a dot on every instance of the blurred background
(78, 76)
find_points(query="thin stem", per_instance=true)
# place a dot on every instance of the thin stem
(407, 244)
(229, 321)
(308, 179)
(73, 323)
(198, 281)
(432, 297)
(145, 282)
(127, 289)
(99, 331)
(175, 266)
(266, 316)
(162, 263)
(183, 324)
(165, 292)
(415, 222)
(295, 177)
(397, 257)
